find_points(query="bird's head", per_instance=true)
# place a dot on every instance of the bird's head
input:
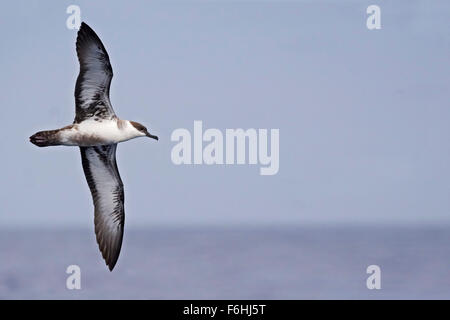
(142, 130)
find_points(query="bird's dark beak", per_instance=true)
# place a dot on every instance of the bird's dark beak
(151, 136)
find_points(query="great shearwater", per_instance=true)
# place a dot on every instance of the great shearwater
(97, 131)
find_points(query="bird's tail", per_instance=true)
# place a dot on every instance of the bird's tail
(45, 138)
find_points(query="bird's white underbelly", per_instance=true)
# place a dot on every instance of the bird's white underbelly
(94, 133)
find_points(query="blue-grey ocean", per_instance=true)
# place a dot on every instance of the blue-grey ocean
(230, 263)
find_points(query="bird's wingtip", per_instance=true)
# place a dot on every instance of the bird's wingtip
(111, 263)
(84, 27)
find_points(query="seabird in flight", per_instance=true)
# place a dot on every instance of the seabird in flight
(97, 131)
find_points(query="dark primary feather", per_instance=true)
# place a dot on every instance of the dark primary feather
(94, 79)
(103, 178)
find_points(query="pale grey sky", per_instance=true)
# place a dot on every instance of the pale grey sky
(363, 115)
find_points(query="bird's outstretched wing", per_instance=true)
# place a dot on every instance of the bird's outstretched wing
(102, 175)
(94, 79)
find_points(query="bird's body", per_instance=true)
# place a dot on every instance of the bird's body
(89, 133)
(97, 131)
